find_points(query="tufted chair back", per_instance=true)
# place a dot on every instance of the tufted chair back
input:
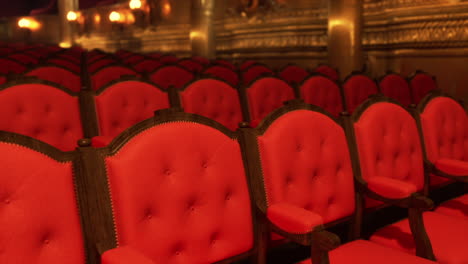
(356, 89)
(329, 71)
(445, 128)
(57, 75)
(109, 74)
(214, 99)
(293, 74)
(123, 104)
(10, 66)
(43, 112)
(265, 95)
(306, 163)
(191, 65)
(179, 192)
(388, 143)
(254, 72)
(65, 63)
(421, 84)
(394, 86)
(40, 221)
(147, 65)
(223, 73)
(97, 65)
(321, 91)
(171, 75)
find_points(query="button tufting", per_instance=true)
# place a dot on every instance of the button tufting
(20, 110)
(298, 147)
(228, 195)
(331, 200)
(47, 108)
(7, 201)
(204, 164)
(167, 172)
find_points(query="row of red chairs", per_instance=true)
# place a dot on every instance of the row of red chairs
(181, 188)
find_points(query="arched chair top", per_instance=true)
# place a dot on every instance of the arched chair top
(357, 87)
(132, 59)
(255, 71)
(322, 91)
(108, 74)
(305, 163)
(35, 174)
(202, 60)
(224, 63)
(171, 75)
(64, 63)
(328, 71)
(55, 119)
(395, 86)
(75, 58)
(147, 65)
(57, 74)
(264, 95)
(123, 53)
(246, 64)
(191, 64)
(155, 55)
(224, 73)
(23, 58)
(388, 147)
(126, 102)
(213, 98)
(101, 63)
(11, 66)
(171, 159)
(168, 59)
(293, 74)
(421, 83)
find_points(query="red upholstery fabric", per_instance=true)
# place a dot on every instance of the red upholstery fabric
(294, 74)
(323, 92)
(148, 65)
(445, 129)
(101, 141)
(391, 188)
(23, 58)
(55, 119)
(191, 65)
(75, 58)
(223, 73)
(108, 74)
(67, 64)
(453, 167)
(201, 60)
(396, 87)
(357, 89)
(97, 65)
(39, 222)
(293, 219)
(94, 56)
(306, 163)
(266, 95)
(127, 103)
(9, 66)
(59, 76)
(448, 235)
(421, 85)
(389, 146)
(326, 70)
(213, 99)
(225, 63)
(365, 252)
(171, 76)
(133, 59)
(124, 255)
(246, 64)
(254, 72)
(167, 59)
(3, 79)
(457, 207)
(155, 55)
(180, 194)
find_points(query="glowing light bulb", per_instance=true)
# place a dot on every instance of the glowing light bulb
(135, 4)
(115, 16)
(72, 16)
(28, 23)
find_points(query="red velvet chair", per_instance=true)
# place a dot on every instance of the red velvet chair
(395, 86)
(179, 193)
(122, 104)
(200, 59)
(255, 71)
(263, 96)
(171, 75)
(23, 58)
(168, 59)
(64, 63)
(147, 65)
(190, 64)
(329, 71)
(223, 73)
(101, 63)
(444, 127)
(58, 75)
(41, 111)
(133, 59)
(214, 99)
(110, 73)
(246, 64)
(293, 74)
(40, 220)
(322, 91)
(94, 56)
(357, 88)
(299, 161)
(421, 83)
(392, 171)
(8, 66)
(224, 63)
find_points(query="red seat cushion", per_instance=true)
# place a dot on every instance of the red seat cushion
(453, 167)
(456, 207)
(293, 219)
(365, 252)
(448, 235)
